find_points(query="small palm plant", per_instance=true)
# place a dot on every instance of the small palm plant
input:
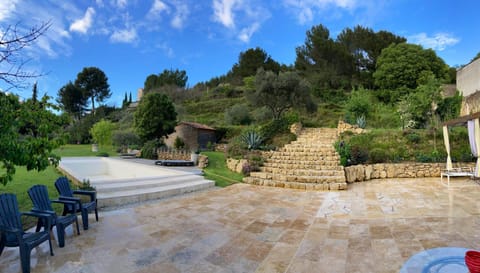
(252, 139)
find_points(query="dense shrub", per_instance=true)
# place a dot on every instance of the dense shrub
(358, 155)
(149, 149)
(359, 104)
(413, 137)
(378, 155)
(274, 127)
(343, 149)
(238, 115)
(178, 143)
(125, 140)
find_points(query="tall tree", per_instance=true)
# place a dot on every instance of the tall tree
(251, 60)
(94, 84)
(34, 92)
(326, 63)
(365, 46)
(72, 100)
(28, 134)
(401, 65)
(280, 92)
(170, 77)
(155, 116)
(13, 40)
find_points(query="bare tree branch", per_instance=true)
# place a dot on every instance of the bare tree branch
(12, 62)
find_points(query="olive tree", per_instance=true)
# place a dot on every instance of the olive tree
(280, 92)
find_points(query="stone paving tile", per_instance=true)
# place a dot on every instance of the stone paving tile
(372, 227)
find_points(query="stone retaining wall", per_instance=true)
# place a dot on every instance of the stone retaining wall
(360, 173)
(236, 165)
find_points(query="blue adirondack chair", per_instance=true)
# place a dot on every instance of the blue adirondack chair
(11, 230)
(42, 203)
(66, 193)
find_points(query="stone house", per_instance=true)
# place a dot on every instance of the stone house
(468, 83)
(196, 136)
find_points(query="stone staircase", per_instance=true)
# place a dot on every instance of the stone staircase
(309, 163)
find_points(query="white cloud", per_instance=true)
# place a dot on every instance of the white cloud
(305, 10)
(167, 50)
(181, 14)
(120, 3)
(247, 32)
(223, 12)
(7, 8)
(82, 25)
(242, 18)
(124, 36)
(99, 3)
(158, 7)
(439, 41)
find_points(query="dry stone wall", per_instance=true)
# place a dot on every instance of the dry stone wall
(360, 173)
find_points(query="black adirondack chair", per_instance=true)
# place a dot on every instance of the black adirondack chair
(11, 230)
(66, 193)
(42, 203)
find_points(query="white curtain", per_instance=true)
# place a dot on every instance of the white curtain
(447, 147)
(471, 137)
(477, 147)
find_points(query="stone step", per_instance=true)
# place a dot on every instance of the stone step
(313, 145)
(296, 185)
(269, 168)
(294, 150)
(299, 178)
(113, 186)
(304, 157)
(122, 197)
(297, 162)
(304, 172)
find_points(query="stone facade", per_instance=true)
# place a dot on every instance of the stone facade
(360, 173)
(196, 136)
(468, 83)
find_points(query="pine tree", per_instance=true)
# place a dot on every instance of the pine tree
(125, 101)
(130, 101)
(34, 92)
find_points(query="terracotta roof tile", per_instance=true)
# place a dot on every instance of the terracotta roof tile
(197, 125)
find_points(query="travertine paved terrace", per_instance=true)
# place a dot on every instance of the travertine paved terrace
(371, 227)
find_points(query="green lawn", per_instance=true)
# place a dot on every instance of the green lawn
(83, 150)
(23, 180)
(217, 170)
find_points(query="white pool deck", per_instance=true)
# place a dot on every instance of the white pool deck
(124, 181)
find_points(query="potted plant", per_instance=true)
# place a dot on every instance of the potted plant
(194, 156)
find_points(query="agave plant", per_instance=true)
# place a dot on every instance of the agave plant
(361, 121)
(252, 139)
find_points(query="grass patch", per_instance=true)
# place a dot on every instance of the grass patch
(82, 150)
(217, 170)
(23, 180)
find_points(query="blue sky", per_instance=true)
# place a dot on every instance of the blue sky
(131, 39)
